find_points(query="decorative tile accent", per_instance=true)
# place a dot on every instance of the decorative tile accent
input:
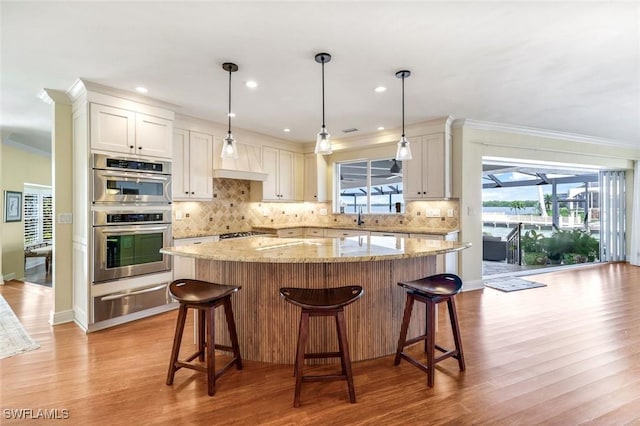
(231, 211)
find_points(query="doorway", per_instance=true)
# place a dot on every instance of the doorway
(38, 234)
(537, 216)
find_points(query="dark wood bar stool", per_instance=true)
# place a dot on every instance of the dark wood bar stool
(322, 302)
(431, 291)
(205, 297)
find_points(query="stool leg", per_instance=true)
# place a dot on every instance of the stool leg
(408, 307)
(233, 335)
(453, 316)
(430, 341)
(340, 347)
(211, 351)
(345, 357)
(201, 330)
(177, 339)
(302, 343)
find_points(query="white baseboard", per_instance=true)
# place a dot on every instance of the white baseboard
(63, 317)
(9, 277)
(473, 285)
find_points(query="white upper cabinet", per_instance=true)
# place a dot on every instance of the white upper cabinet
(282, 168)
(128, 132)
(192, 165)
(315, 178)
(428, 174)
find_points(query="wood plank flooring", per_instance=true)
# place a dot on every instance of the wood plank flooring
(564, 354)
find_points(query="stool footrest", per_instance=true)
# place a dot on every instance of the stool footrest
(323, 355)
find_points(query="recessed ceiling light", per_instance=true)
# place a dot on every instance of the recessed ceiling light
(251, 84)
(380, 89)
(286, 130)
(380, 128)
(231, 114)
(141, 89)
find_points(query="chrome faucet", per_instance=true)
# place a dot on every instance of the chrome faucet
(360, 221)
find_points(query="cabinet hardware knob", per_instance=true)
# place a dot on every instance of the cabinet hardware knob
(139, 147)
(193, 193)
(131, 146)
(186, 192)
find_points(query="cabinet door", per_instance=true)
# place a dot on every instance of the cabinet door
(435, 167)
(412, 171)
(270, 166)
(112, 129)
(310, 178)
(180, 165)
(298, 179)
(153, 136)
(287, 179)
(201, 166)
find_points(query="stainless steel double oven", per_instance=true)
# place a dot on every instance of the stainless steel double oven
(131, 218)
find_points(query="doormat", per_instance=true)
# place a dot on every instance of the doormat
(14, 339)
(512, 284)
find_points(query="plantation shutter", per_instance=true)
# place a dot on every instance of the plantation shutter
(38, 216)
(47, 218)
(31, 219)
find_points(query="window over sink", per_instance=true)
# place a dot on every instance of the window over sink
(369, 186)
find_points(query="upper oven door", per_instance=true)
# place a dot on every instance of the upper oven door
(122, 251)
(130, 187)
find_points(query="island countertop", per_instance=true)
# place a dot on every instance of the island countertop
(316, 250)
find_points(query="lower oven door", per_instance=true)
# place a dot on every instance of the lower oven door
(129, 250)
(129, 301)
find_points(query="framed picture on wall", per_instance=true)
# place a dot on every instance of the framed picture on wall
(12, 206)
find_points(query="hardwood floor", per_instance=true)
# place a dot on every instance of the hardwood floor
(564, 354)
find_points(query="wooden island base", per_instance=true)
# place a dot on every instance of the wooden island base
(268, 326)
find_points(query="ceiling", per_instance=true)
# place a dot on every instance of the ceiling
(571, 67)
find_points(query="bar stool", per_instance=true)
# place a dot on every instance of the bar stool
(204, 297)
(431, 291)
(322, 302)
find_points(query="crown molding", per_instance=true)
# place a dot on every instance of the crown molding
(542, 133)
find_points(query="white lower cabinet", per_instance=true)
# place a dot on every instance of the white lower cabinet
(185, 267)
(344, 233)
(447, 262)
(291, 232)
(313, 232)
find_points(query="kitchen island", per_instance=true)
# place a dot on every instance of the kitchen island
(267, 325)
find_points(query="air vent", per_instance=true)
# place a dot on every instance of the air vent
(353, 129)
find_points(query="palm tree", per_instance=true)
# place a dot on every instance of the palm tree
(517, 206)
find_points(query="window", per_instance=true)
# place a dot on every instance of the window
(370, 186)
(38, 215)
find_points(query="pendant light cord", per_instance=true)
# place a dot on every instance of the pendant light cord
(229, 113)
(403, 105)
(323, 93)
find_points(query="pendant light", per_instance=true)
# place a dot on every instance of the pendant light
(229, 149)
(404, 149)
(323, 140)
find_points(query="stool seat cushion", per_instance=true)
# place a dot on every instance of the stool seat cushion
(435, 285)
(322, 298)
(196, 291)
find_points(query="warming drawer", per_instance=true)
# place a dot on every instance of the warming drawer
(129, 301)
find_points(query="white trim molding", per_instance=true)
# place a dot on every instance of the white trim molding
(543, 133)
(63, 317)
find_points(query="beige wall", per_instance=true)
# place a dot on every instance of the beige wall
(471, 144)
(19, 167)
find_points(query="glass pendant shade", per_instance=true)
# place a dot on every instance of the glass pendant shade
(229, 149)
(323, 142)
(404, 150)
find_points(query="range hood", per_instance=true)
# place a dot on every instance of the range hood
(247, 167)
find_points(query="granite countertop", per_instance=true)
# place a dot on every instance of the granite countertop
(315, 250)
(274, 228)
(372, 228)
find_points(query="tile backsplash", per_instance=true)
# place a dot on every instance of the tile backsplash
(231, 211)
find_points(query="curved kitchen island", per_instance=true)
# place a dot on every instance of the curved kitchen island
(268, 326)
